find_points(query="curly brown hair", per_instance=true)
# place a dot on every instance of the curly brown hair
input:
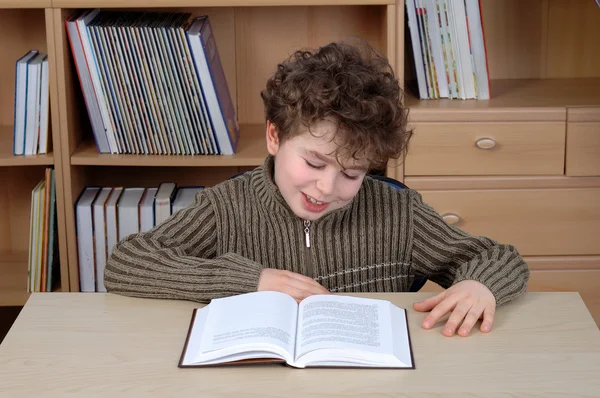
(352, 86)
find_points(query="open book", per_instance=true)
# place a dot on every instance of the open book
(323, 331)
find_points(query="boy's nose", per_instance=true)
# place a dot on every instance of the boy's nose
(326, 186)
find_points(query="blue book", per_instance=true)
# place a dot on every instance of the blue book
(214, 85)
(21, 101)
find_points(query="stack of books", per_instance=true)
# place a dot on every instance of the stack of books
(107, 215)
(43, 269)
(153, 83)
(448, 45)
(31, 104)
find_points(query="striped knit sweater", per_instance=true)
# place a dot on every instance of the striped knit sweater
(379, 242)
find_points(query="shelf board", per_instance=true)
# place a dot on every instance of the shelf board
(6, 152)
(210, 3)
(26, 4)
(251, 151)
(13, 278)
(518, 93)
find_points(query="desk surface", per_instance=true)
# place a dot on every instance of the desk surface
(543, 345)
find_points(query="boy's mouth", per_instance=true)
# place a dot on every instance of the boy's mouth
(312, 204)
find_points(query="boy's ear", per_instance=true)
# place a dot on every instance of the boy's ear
(272, 138)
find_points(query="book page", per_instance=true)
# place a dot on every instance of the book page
(251, 320)
(330, 322)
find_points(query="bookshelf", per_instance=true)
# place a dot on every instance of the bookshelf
(23, 29)
(545, 77)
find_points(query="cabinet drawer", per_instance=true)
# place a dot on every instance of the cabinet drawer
(538, 222)
(583, 142)
(501, 148)
(585, 282)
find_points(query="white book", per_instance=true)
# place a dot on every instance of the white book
(321, 331)
(163, 201)
(478, 49)
(416, 46)
(112, 223)
(449, 62)
(87, 88)
(436, 47)
(147, 210)
(128, 212)
(32, 121)
(466, 64)
(100, 253)
(21, 101)
(185, 197)
(44, 113)
(85, 239)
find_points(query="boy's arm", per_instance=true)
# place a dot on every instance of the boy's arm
(177, 260)
(447, 255)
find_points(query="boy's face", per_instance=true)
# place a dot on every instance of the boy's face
(310, 179)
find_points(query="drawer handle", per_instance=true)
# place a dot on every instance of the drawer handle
(485, 143)
(451, 218)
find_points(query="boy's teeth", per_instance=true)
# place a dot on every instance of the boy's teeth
(312, 200)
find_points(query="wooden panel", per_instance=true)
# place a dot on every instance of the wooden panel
(585, 282)
(583, 149)
(517, 95)
(492, 182)
(573, 31)
(21, 30)
(518, 149)
(563, 263)
(536, 221)
(27, 4)
(13, 283)
(207, 3)
(267, 36)
(515, 37)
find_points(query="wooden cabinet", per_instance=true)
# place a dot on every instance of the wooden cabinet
(583, 142)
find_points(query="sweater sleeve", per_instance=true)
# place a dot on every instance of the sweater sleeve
(447, 255)
(177, 260)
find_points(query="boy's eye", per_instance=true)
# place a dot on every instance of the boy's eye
(314, 166)
(350, 177)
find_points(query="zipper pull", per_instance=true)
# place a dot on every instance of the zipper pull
(307, 232)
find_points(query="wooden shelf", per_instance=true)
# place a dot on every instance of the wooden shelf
(25, 4)
(519, 93)
(210, 3)
(251, 151)
(6, 152)
(13, 283)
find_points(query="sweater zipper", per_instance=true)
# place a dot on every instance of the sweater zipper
(309, 266)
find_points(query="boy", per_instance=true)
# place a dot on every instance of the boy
(309, 221)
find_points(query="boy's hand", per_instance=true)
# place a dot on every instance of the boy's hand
(466, 301)
(296, 285)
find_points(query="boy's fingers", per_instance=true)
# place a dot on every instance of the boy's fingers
(488, 319)
(461, 310)
(470, 320)
(429, 303)
(306, 279)
(309, 288)
(439, 311)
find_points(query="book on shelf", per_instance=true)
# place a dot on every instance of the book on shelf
(31, 113)
(43, 270)
(449, 49)
(151, 84)
(321, 331)
(106, 215)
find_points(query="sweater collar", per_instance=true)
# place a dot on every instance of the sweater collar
(269, 194)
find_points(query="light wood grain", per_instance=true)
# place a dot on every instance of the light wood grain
(208, 3)
(267, 36)
(438, 149)
(75, 342)
(573, 30)
(13, 283)
(251, 151)
(513, 94)
(536, 221)
(7, 4)
(21, 30)
(583, 149)
(497, 182)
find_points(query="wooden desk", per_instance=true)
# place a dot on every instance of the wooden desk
(543, 345)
